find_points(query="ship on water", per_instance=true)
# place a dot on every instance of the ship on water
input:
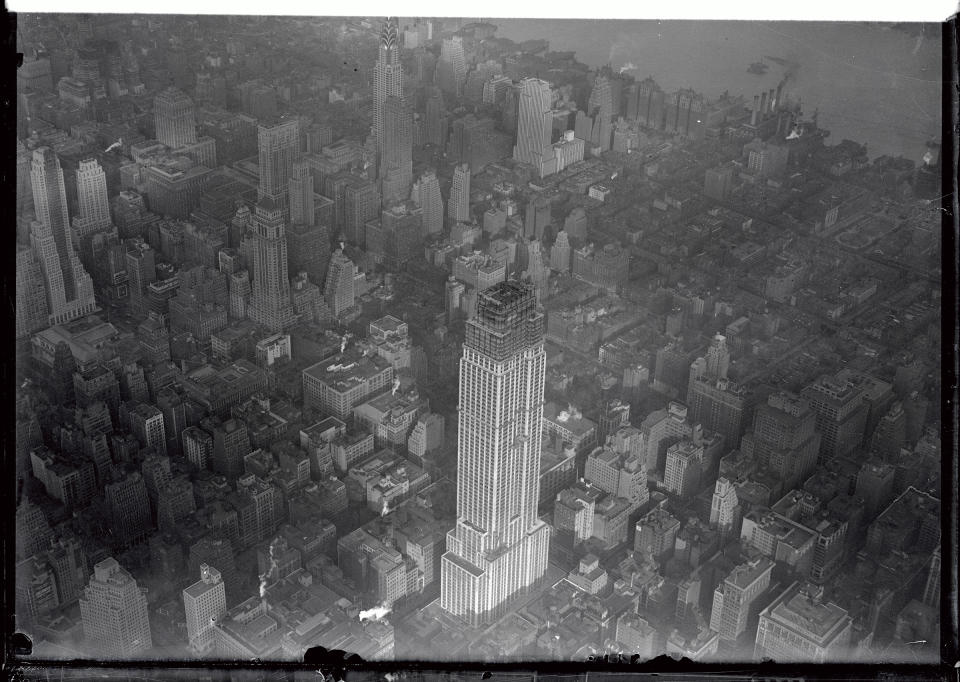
(758, 68)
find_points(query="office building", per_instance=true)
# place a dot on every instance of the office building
(568, 150)
(308, 248)
(198, 447)
(784, 438)
(735, 596)
(93, 208)
(478, 271)
(339, 291)
(715, 401)
(435, 123)
(458, 206)
(361, 204)
(204, 603)
(568, 425)
(536, 217)
(656, 533)
(560, 253)
(146, 423)
(718, 182)
(231, 443)
(841, 414)
(600, 106)
(614, 415)
(451, 73)
(636, 636)
(682, 471)
(607, 268)
(534, 127)
(396, 150)
(618, 470)
(799, 626)
(114, 613)
(31, 304)
(387, 76)
(174, 118)
(69, 287)
(141, 272)
(70, 481)
(400, 235)
(33, 532)
(270, 304)
(499, 546)
(724, 507)
(68, 560)
(279, 147)
(426, 194)
(338, 385)
(454, 292)
(302, 198)
(875, 484)
(663, 428)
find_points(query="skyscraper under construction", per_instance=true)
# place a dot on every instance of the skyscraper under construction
(499, 546)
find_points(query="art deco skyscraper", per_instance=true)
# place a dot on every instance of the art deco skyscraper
(426, 193)
(114, 612)
(387, 74)
(174, 118)
(458, 207)
(279, 147)
(93, 205)
(499, 546)
(534, 126)
(69, 287)
(270, 303)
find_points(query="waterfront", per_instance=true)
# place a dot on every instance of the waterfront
(871, 83)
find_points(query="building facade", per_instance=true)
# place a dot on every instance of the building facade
(499, 546)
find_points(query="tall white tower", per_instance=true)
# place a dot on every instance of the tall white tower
(499, 546)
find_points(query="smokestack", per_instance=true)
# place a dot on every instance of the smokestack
(772, 101)
(756, 105)
(763, 105)
(779, 92)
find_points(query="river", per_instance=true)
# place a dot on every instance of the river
(873, 84)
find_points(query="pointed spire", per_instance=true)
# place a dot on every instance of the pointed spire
(390, 34)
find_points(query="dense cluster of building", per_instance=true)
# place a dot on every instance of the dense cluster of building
(360, 334)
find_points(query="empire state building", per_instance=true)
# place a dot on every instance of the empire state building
(499, 546)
